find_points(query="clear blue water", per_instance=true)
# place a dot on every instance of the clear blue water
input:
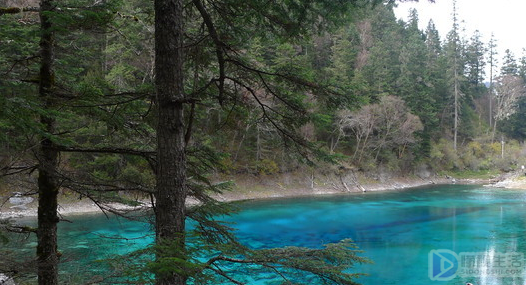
(396, 230)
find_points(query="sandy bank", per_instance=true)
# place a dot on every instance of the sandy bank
(85, 206)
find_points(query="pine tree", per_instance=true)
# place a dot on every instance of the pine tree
(48, 184)
(277, 90)
(475, 64)
(509, 64)
(492, 49)
(171, 189)
(522, 65)
(63, 104)
(382, 69)
(413, 81)
(456, 70)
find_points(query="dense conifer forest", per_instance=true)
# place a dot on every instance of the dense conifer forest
(110, 100)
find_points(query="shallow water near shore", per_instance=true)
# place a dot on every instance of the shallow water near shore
(396, 230)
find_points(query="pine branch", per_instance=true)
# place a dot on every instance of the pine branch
(218, 46)
(222, 273)
(12, 170)
(288, 77)
(264, 107)
(146, 154)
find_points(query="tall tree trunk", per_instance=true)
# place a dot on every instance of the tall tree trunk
(490, 91)
(502, 146)
(48, 185)
(455, 135)
(492, 54)
(456, 83)
(494, 130)
(171, 168)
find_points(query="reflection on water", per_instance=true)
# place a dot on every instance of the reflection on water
(397, 230)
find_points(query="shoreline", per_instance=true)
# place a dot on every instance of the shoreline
(85, 206)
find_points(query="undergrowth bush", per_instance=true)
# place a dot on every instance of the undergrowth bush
(477, 156)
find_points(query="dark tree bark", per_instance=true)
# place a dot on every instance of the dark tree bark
(171, 166)
(48, 159)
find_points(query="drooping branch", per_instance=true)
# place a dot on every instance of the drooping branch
(101, 193)
(218, 46)
(218, 271)
(260, 103)
(136, 96)
(12, 170)
(264, 109)
(146, 154)
(325, 264)
(288, 77)
(150, 156)
(22, 61)
(275, 94)
(83, 187)
(202, 89)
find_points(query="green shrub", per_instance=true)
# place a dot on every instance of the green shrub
(444, 157)
(267, 167)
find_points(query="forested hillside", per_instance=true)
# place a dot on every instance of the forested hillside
(375, 91)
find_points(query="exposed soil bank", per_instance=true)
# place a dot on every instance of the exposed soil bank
(259, 187)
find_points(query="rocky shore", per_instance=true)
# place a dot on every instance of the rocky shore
(12, 207)
(17, 205)
(512, 180)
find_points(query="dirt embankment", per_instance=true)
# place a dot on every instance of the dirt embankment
(256, 187)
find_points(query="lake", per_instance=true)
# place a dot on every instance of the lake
(397, 230)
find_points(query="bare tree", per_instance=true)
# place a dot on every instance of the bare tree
(360, 123)
(509, 88)
(395, 125)
(385, 125)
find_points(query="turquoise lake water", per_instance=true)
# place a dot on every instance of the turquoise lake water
(397, 230)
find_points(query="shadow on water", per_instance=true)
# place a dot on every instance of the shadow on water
(425, 214)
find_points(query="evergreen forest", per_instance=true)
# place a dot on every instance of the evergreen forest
(168, 101)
